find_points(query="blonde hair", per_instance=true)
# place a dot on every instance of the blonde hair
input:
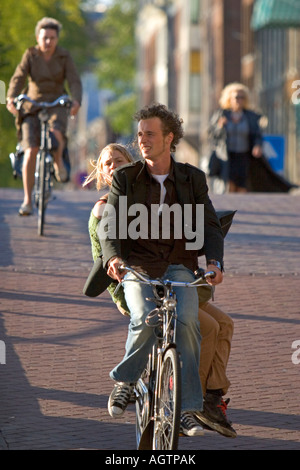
(97, 173)
(224, 100)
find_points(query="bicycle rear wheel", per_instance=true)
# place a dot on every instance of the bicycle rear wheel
(41, 193)
(167, 421)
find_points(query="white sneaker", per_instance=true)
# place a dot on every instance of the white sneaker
(189, 426)
(119, 399)
(25, 209)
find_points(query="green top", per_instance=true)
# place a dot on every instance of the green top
(119, 298)
(95, 243)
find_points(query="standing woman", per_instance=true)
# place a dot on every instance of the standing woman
(236, 126)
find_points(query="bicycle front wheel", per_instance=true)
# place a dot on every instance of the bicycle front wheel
(143, 417)
(168, 409)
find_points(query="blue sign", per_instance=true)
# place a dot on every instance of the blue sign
(274, 149)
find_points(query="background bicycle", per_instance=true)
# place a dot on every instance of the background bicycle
(44, 172)
(158, 390)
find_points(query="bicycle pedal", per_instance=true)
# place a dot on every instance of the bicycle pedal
(153, 299)
(154, 318)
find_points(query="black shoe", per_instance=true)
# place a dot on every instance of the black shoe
(214, 415)
(119, 399)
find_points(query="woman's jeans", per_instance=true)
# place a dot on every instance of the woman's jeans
(141, 337)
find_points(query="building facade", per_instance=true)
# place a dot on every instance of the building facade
(188, 50)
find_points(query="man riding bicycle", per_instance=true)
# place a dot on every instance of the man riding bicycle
(155, 180)
(46, 66)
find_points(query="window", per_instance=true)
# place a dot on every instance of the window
(195, 80)
(195, 11)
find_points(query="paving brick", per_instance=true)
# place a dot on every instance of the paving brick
(61, 345)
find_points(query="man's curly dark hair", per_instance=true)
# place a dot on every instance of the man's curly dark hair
(171, 122)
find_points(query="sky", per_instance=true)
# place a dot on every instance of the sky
(101, 3)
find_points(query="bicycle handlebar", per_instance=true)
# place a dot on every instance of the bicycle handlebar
(63, 100)
(158, 282)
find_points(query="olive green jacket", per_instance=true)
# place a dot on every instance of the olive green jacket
(118, 298)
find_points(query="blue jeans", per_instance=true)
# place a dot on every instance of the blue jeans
(141, 338)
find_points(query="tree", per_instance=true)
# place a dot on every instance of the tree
(116, 69)
(17, 24)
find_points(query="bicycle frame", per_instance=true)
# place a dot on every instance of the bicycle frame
(157, 422)
(44, 161)
(43, 172)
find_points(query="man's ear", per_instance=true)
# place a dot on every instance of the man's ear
(170, 137)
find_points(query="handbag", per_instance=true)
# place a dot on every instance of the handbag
(225, 219)
(215, 164)
(97, 281)
(205, 293)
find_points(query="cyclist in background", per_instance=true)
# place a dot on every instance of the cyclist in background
(46, 67)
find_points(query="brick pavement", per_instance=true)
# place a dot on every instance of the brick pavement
(61, 345)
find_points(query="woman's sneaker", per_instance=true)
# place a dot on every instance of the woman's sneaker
(119, 399)
(189, 426)
(214, 415)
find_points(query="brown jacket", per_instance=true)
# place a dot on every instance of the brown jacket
(46, 80)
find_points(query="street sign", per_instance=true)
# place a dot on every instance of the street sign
(273, 149)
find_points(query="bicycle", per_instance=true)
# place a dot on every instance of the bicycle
(158, 390)
(44, 171)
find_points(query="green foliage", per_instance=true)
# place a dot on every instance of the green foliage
(17, 25)
(116, 68)
(120, 112)
(109, 50)
(117, 56)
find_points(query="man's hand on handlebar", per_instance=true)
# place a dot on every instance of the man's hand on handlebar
(114, 270)
(218, 277)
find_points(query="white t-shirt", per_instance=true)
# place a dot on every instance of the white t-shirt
(160, 179)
